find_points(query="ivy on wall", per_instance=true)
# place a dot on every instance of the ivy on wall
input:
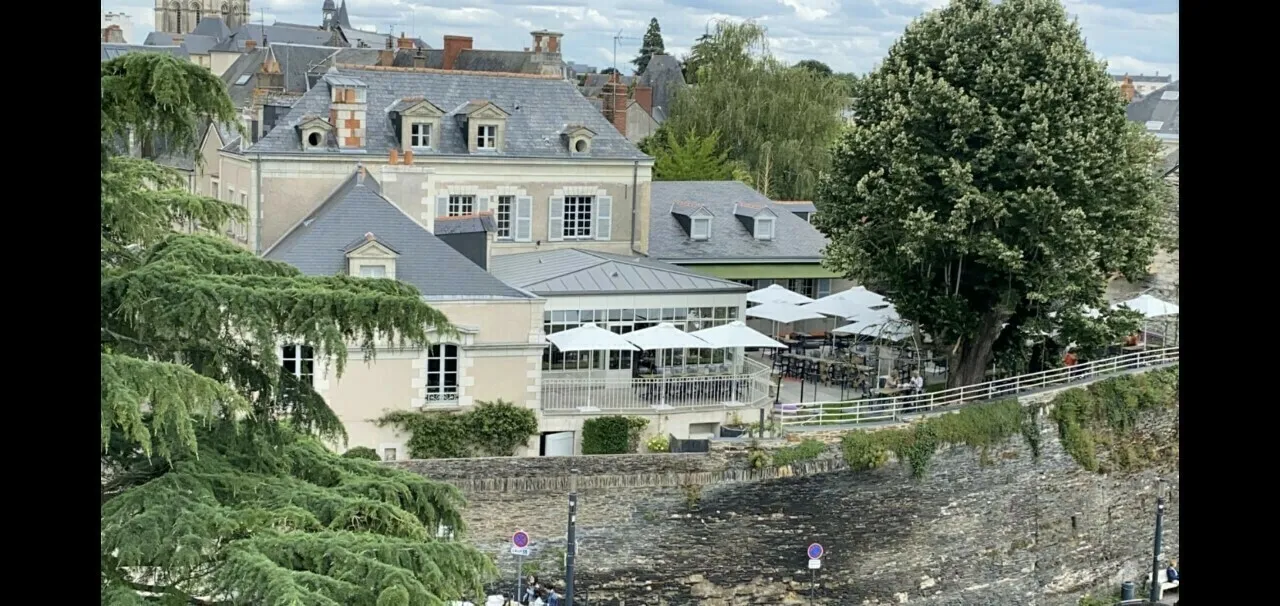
(1104, 414)
(494, 429)
(612, 434)
(1098, 424)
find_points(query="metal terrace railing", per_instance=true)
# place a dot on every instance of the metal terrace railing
(712, 389)
(893, 408)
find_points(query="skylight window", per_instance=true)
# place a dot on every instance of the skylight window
(1154, 125)
(1169, 95)
(242, 80)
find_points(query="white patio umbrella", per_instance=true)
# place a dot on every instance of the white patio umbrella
(776, 293)
(893, 331)
(664, 336)
(782, 313)
(1149, 306)
(734, 335)
(589, 337)
(846, 304)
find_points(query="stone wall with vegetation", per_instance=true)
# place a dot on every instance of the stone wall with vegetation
(998, 504)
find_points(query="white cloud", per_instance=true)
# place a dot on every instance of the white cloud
(848, 35)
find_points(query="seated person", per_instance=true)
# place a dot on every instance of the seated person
(1171, 573)
(1131, 340)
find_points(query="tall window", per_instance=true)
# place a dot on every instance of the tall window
(442, 373)
(486, 137)
(299, 361)
(623, 321)
(461, 205)
(503, 216)
(214, 190)
(420, 134)
(577, 217)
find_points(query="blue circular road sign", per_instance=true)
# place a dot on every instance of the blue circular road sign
(815, 552)
(520, 539)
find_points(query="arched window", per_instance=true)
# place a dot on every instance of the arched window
(195, 8)
(176, 9)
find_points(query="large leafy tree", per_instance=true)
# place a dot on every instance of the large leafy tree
(778, 121)
(991, 183)
(215, 486)
(815, 66)
(650, 46)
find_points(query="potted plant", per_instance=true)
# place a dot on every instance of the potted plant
(734, 428)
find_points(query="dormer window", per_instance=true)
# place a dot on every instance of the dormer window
(487, 136)
(370, 257)
(314, 131)
(418, 121)
(700, 228)
(484, 124)
(764, 228)
(578, 139)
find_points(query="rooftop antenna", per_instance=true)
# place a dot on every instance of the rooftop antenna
(616, 38)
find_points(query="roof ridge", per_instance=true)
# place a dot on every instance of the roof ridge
(458, 72)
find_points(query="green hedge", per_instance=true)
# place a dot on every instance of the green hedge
(1105, 415)
(807, 450)
(606, 435)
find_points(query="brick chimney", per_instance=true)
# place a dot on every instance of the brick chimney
(113, 33)
(615, 103)
(249, 45)
(269, 75)
(453, 46)
(387, 56)
(546, 41)
(1128, 89)
(404, 42)
(347, 108)
(644, 96)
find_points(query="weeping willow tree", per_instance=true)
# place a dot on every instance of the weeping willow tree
(779, 121)
(216, 488)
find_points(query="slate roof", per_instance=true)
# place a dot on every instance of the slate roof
(317, 246)
(593, 86)
(665, 76)
(112, 50)
(539, 107)
(794, 241)
(465, 224)
(212, 26)
(1158, 111)
(573, 271)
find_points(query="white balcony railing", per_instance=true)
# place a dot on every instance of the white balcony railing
(714, 387)
(878, 410)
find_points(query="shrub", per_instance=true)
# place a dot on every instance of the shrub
(498, 428)
(805, 451)
(658, 443)
(635, 427)
(490, 429)
(362, 452)
(606, 435)
(1107, 413)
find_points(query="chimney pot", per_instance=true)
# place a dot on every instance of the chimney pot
(395, 156)
(249, 45)
(408, 157)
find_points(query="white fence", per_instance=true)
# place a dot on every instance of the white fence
(712, 389)
(872, 410)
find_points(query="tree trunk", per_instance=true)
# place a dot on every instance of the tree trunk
(968, 364)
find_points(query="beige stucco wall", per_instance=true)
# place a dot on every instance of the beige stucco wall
(220, 62)
(292, 188)
(500, 358)
(639, 123)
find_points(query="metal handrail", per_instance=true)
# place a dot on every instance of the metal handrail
(749, 388)
(892, 408)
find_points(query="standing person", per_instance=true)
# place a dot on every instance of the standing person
(917, 383)
(553, 598)
(1069, 361)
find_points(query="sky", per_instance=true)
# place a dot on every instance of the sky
(1133, 36)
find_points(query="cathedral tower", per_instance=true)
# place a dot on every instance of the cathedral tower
(182, 16)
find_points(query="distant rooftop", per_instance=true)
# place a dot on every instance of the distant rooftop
(572, 271)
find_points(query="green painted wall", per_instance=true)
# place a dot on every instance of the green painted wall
(748, 271)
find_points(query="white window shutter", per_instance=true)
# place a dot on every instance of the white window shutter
(555, 220)
(524, 219)
(442, 206)
(604, 217)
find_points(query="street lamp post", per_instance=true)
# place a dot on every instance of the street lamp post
(571, 547)
(1154, 594)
